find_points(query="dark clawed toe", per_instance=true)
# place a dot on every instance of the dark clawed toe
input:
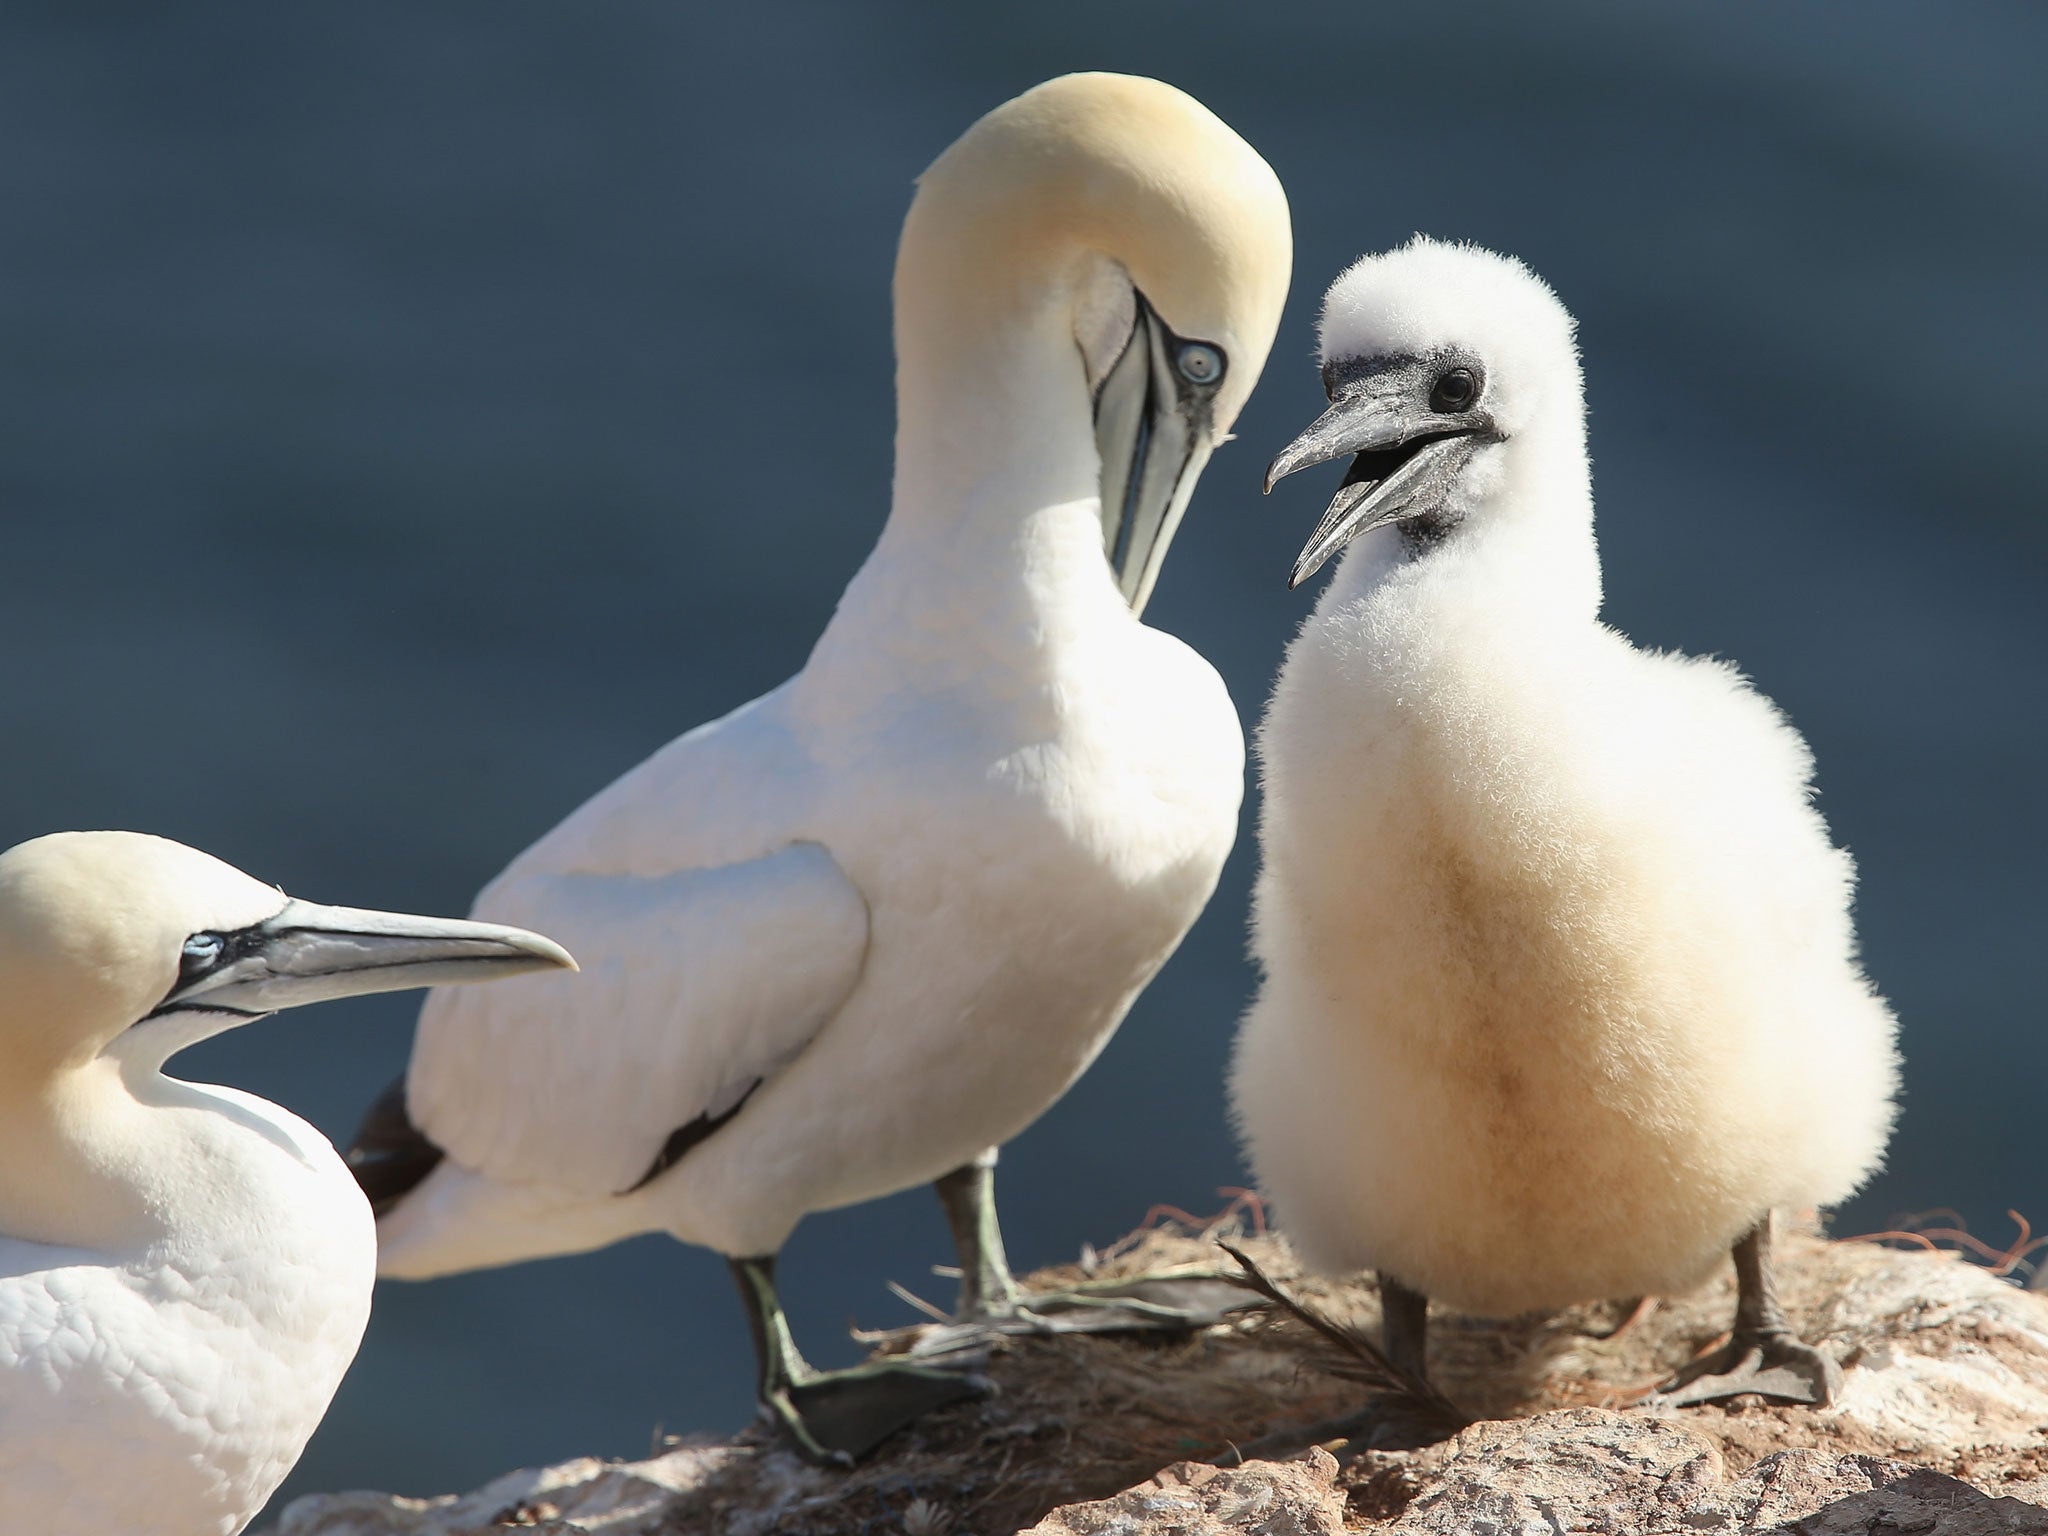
(1777, 1366)
(839, 1417)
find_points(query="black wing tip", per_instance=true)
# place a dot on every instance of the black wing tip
(389, 1155)
(684, 1137)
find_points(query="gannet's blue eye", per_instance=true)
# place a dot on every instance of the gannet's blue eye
(1454, 392)
(200, 952)
(1199, 363)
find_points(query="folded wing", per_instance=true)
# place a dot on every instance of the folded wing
(696, 987)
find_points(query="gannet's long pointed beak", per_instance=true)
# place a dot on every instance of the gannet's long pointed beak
(1409, 455)
(309, 954)
(1153, 414)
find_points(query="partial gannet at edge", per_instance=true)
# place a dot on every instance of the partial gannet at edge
(860, 932)
(1561, 997)
(185, 1270)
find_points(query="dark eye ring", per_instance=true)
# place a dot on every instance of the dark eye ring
(1199, 363)
(1455, 391)
(200, 952)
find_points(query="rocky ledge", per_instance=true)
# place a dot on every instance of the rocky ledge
(1941, 1430)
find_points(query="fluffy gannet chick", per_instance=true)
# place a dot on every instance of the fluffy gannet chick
(858, 933)
(185, 1270)
(1561, 998)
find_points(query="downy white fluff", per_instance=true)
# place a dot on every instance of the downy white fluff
(1561, 993)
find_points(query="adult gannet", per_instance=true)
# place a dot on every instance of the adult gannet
(185, 1270)
(1561, 998)
(861, 931)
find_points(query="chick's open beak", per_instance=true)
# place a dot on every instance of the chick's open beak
(1407, 457)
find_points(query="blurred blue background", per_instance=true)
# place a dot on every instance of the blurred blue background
(410, 417)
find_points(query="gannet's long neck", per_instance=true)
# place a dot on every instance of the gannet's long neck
(993, 550)
(70, 1146)
(111, 1155)
(994, 418)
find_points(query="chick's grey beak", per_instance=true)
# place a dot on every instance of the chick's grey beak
(1153, 417)
(309, 954)
(1360, 418)
(1407, 458)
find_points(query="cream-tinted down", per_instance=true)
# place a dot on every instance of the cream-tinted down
(185, 1270)
(1561, 994)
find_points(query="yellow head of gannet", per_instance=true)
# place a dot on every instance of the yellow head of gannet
(860, 932)
(184, 1271)
(1103, 243)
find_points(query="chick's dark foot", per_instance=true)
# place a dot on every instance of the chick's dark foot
(1774, 1365)
(836, 1418)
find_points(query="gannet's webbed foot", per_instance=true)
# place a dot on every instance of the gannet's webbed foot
(1762, 1356)
(834, 1418)
(1771, 1365)
(993, 1302)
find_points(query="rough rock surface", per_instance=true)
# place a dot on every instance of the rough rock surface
(1941, 1430)
(1298, 1497)
(1580, 1471)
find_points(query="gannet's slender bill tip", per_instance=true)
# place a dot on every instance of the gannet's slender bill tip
(309, 953)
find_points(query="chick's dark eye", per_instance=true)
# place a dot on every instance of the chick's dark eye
(200, 952)
(1454, 391)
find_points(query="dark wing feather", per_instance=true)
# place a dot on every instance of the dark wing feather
(390, 1155)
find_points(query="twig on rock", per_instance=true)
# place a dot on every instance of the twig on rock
(1397, 1396)
(2008, 1262)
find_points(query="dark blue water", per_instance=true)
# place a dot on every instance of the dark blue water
(412, 415)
